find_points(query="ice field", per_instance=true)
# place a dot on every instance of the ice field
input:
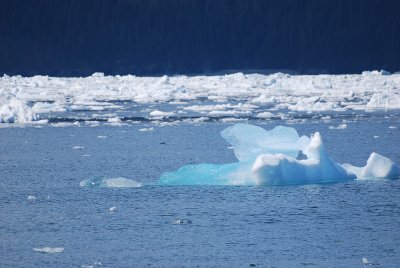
(102, 98)
(240, 170)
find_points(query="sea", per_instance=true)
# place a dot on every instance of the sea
(50, 219)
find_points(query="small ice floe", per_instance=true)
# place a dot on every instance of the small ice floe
(119, 182)
(265, 115)
(158, 113)
(199, 120)
(31, 198)
(114, 120)
(95, 264)
(342, 126)
(112, 209)
(49, 250)
(77, 147)
(365, 261)
(146, 129)
(61, 124)
(232, 119)
(40, 122)
(92, 123)
(181, 221)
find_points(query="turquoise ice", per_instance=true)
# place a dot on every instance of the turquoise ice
(270, 158)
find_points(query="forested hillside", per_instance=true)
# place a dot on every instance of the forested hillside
(153, 37)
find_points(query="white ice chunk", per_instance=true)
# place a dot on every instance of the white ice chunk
(146, 129)
(157, 113)
(342, 126)
(49, 250)
(112, 209)
(45, 107)
(280, 169)
(250, 141)
(384, 101)
(377, 167)
(114, 120)
(265, 115)
(16, 111)
(365, 261)
(32, 198)
(119, 182)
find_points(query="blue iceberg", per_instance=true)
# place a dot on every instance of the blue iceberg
(271, 158)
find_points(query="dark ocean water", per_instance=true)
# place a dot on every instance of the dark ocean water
(325, 225)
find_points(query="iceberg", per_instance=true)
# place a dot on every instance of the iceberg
(272, 158)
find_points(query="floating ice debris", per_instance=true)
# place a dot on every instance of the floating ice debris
(41, 122)
(95, 264)
(16, 111)
(146, 129)
(32, 198)
(365, 261)
(198, 120)
(269, 158)
(265, 115)
(181, 221)
(119, 182)
(112, 209)
(22, 98)
(157, 113)
(342, 126)
(232, 119)
(114, 120)
(49, 250)
(383, 101)
(77, 147)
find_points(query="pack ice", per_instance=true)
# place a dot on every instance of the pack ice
(271, 158)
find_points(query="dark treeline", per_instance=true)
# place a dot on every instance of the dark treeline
(153, 37)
